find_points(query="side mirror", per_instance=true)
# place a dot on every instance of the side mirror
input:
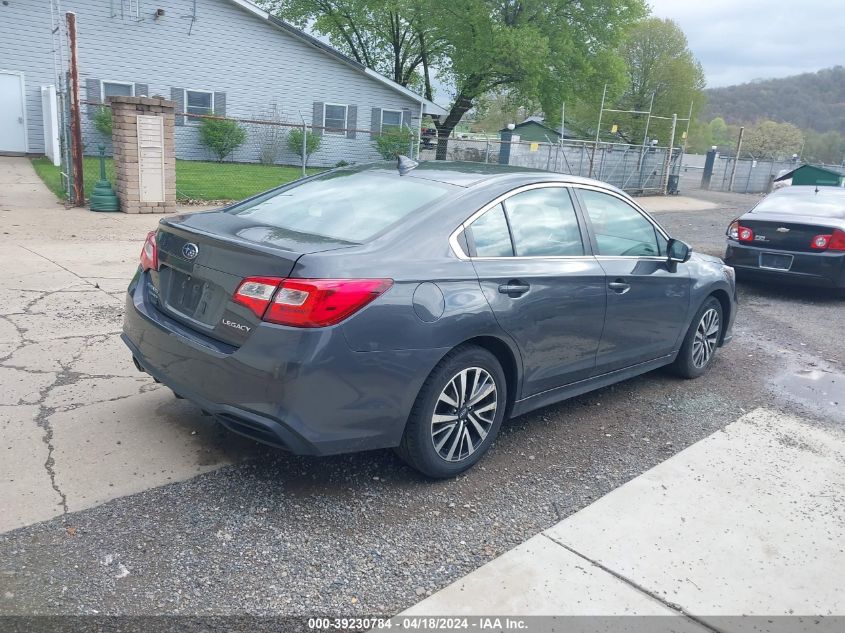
(678, 252)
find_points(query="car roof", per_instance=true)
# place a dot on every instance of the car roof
(810, 191)
(467, 174)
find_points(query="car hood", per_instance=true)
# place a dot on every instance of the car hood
(704, 257)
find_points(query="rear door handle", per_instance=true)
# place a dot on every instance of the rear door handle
(619, 286)
(514, 288)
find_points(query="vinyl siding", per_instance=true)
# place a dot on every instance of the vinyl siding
(226, 49)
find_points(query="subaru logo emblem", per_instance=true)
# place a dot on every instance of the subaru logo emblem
(190, 250)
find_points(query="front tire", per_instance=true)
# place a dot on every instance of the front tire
(457, 414)
(702, 340)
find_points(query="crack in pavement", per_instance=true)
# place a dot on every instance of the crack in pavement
(68, 270)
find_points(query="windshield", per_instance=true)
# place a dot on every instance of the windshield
(350, 206)
(827, 203)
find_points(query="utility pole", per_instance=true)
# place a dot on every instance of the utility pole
(598, 131)
(669, 155)
(78, 189)
(736, 158)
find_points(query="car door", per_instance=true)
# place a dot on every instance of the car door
(647, 297)
(543, 284)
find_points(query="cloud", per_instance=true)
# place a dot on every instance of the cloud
(741, 40)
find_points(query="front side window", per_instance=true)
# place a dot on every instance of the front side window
(118, 89)
(490, 235)
(544, 224)
(391, 119)
(334, 119)
(620, 229)
(199, 102)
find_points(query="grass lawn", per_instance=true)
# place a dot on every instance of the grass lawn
(196, 180)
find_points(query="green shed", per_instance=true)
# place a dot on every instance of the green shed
(812, 175)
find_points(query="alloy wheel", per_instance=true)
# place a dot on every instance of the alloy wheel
(706, 338)
(464, 414)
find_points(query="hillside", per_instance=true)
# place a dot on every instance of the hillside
(813, 101)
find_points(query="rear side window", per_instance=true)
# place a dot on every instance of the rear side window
(348, 206)
(544, 224)
(619, 228)
(490, 234)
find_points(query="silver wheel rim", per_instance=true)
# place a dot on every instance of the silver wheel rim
(464, 414)
(706, 338)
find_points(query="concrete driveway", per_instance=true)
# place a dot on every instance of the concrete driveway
(79, 424)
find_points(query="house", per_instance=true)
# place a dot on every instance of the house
(812, 175)
(227, 57)
(534, 130)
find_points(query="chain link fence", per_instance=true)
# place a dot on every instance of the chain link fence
(220, 159)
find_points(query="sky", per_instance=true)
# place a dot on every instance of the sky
(738, 41)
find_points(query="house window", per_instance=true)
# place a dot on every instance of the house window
(199, 102)
(334, 118)
(391, 119)
(117, 89)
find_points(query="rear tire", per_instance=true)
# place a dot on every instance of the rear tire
(701, 341)
(457, 414)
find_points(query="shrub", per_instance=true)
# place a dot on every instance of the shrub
(312, 142)
(103, 121)
(393, 142)
(222, 136)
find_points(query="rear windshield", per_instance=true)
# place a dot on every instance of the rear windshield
(349, 206)
(824, 204)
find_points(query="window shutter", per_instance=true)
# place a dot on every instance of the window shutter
(317, 118)
(142, 90)
(351, 120)
(375, 122)
(406, 117)
(178, 95)
(93, 92)
(220, 103)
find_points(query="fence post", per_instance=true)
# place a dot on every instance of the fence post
(486, 149)
(665, 187)
(304, 146)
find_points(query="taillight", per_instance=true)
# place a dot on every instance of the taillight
(255, 293)
(738, 232)
(149, 254)
(733, 230)
(307, 302)
(831, 241)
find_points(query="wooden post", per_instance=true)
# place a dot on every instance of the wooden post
(736, 158)
(78, 184)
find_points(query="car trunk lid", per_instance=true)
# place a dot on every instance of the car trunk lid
(203, 258)
(786, 232)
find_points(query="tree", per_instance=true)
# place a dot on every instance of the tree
(312, 142)
(392, 37)
(541, 50)
(768, 139)
(660, 63)
(824, 148)
(221, 136)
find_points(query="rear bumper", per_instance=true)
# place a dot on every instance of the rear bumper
(810, 269)
(299, 389)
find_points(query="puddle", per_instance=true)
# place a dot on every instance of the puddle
(817, 389)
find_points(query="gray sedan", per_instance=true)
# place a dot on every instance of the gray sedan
(417, 308)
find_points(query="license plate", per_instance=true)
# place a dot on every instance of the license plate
(775, 261)
(189, 296)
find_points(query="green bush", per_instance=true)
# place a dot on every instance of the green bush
(222, 136)
(393, 142)
(312, 142)
(103, 121)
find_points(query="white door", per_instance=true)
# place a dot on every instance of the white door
(12, 115)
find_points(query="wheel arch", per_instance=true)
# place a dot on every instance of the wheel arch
(509, 360)
(724, 300)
